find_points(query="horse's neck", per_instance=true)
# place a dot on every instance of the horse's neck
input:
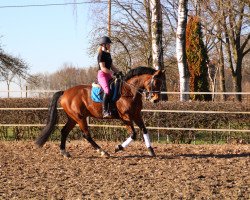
(134, 85)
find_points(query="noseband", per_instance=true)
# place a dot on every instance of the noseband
(151, 92)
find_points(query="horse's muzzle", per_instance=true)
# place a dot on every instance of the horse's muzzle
(153, 97)
(154, 100)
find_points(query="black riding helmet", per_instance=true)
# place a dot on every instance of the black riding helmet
(105, 40)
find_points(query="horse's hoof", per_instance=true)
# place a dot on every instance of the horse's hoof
(151, 152)
(65, 154)
(119, 148)
(103, 153)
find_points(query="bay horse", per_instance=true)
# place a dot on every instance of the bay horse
(78, 105)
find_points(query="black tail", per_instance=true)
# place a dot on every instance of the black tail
(52, 120)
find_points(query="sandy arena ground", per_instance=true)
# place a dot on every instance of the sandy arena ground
(178, 172)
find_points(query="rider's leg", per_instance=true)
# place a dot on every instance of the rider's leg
(106, 111)
(103, 79)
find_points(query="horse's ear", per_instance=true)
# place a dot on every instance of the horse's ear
(160, 72)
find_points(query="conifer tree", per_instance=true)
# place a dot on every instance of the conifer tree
(197, 59)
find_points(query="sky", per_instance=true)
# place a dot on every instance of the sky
(46, 37)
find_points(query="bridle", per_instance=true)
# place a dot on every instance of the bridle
(149, 93)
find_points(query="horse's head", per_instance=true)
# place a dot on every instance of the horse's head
(153, 86)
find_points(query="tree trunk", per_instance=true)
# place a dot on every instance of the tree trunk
(181, 50)
(157, 49)
(237, 80)
(233, 24)
(8, 87)
(212, 73)
(222, 73)
(222, 82)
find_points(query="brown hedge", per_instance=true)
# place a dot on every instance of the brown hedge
(194, 120)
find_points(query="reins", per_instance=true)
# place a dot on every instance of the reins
(138, 90)
(132, 86)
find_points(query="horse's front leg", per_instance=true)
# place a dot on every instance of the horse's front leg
(132, 137)
(139, 122)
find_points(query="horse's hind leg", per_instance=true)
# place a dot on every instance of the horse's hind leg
(64, 134)
(84, 127)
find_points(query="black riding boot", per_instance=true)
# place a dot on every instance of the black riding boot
(106, 112)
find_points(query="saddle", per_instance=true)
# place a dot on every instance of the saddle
(115, 87)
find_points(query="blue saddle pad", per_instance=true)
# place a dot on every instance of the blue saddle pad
(97, 93)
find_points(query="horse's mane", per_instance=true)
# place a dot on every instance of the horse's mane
(139, 71)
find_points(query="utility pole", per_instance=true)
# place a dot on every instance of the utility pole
(109, 18)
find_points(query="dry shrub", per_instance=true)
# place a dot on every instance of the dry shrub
(186, 120)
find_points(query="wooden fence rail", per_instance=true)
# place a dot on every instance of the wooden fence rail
(154, 128)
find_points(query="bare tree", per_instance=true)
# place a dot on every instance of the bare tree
(157, 48)
(66, 77)
(10, 67)
(7, 76)
(232, 19)
(233, 25)
(212, 72)
(15, 65)
(156, 24)
(21, 83)
(181, 50)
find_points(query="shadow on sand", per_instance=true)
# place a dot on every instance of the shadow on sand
(193, 155)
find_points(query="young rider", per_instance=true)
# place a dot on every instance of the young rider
(106, 69)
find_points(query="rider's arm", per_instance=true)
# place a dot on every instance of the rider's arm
(104, 69)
